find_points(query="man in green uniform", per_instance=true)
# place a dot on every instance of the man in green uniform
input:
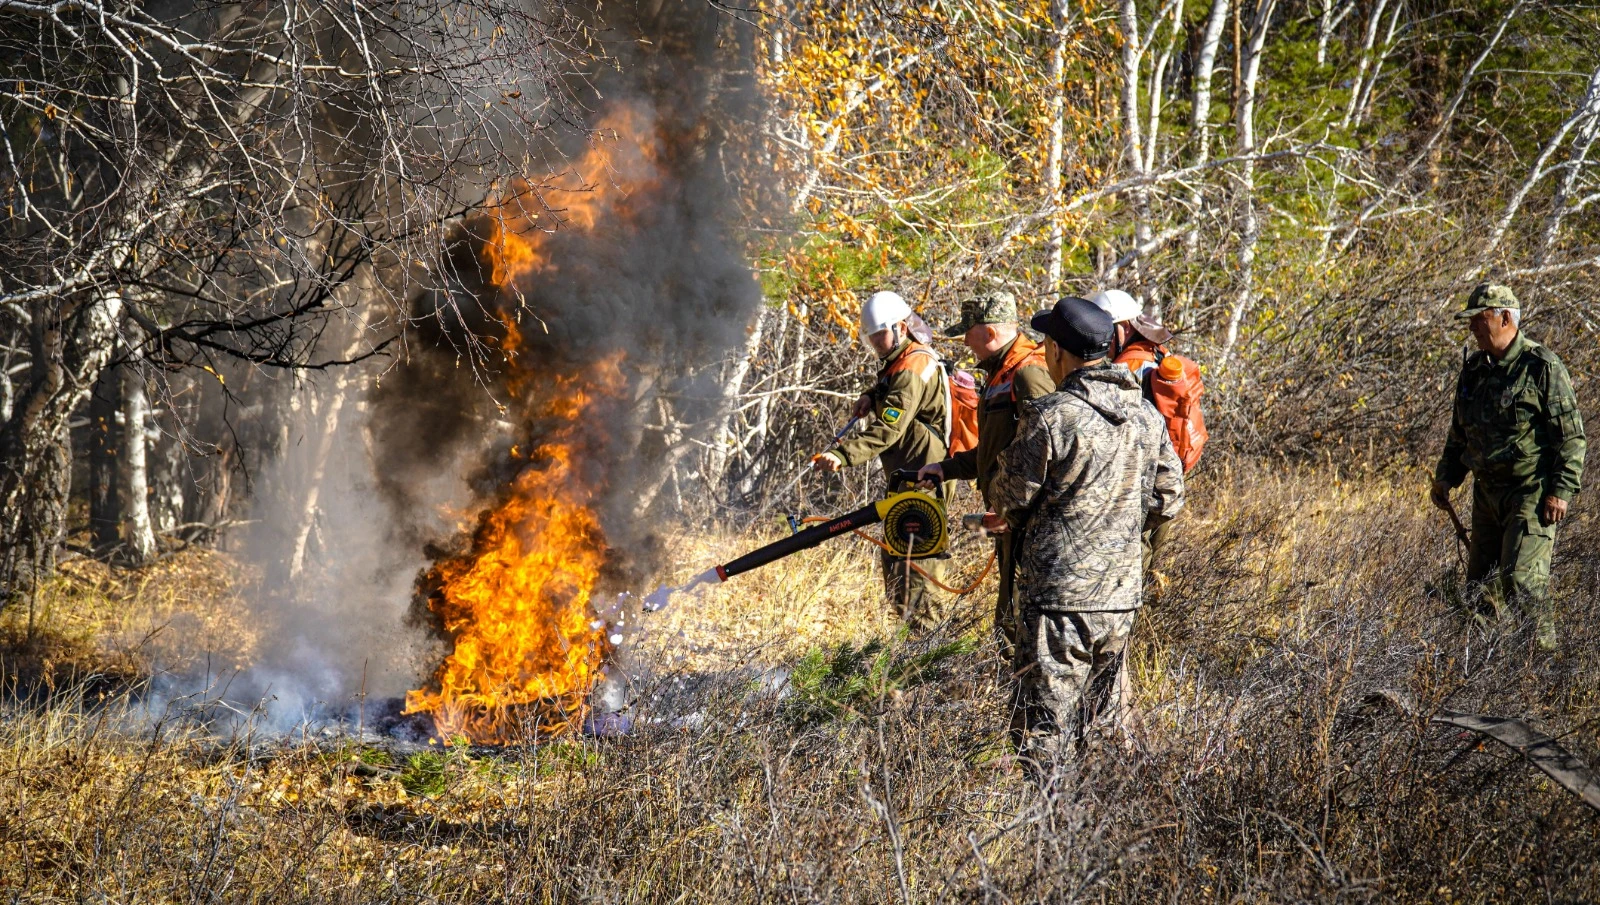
(907, 415)
(1516, 427)
(1016, 372)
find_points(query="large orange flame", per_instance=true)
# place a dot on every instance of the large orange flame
(528, 647)
(517, 604)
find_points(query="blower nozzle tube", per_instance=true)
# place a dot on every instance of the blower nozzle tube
(810, 537)
(913, 527)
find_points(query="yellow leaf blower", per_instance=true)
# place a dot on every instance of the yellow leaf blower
(914, 527)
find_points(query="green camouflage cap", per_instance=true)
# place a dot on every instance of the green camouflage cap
(1487, 296)
(999, 307)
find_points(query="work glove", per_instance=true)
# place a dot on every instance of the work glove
(826, 462)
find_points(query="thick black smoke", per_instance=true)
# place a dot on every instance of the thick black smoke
(658, 279)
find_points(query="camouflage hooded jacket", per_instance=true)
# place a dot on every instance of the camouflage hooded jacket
(1090, 464)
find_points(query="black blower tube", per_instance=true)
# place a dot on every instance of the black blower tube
(794, 543)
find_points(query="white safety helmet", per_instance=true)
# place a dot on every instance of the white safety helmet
(882, 311)
(1120, 305)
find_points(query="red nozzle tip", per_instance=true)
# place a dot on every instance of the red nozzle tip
(721, 574)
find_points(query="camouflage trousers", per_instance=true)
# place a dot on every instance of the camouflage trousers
(1070, 680)
(1509, 557)
(919, 604)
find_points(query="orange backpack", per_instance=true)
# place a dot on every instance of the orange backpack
(960, 398)
(1174, 385)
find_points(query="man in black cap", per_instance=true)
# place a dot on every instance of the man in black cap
(1090, 468)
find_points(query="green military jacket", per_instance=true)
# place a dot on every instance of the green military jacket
(997, 418)
(906, 426)
(1515, 423)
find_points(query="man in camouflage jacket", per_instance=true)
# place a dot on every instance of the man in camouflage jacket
(1015, 374)
(1516, 427)
(1091, 466)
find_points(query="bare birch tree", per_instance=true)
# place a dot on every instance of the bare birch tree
(1250, 224)
(1200, 109)
(140, 540)
(214, 172)
(1055, 154)
(1133, 49)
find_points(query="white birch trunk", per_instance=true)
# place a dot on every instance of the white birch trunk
(1363, 62)
(1426, 150)
(1251, 225)
(1582, 142)
(1590, 102)
(1333, 13)
(1158, 77)
(1133, 144)
(717, 465)
(326, 425)
(1367, 91)
(801, 348)
(306, 507)
(1054, 158)
(140, 539)
(1205, 74)
(758, 434)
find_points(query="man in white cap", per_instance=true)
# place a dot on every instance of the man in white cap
(1139, 341)
(907, 425)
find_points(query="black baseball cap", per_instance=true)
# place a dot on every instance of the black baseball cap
(1078, 326)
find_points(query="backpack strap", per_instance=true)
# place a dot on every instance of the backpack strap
(935, 365)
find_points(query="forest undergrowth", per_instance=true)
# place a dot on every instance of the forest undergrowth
(790, 745)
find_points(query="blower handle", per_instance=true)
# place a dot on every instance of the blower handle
(908, 477)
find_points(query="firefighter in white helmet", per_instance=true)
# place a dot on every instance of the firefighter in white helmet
(906, 415)
(1138, 336)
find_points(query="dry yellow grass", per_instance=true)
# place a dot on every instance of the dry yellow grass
(92, 619)
(830, 594)
(1260, 772)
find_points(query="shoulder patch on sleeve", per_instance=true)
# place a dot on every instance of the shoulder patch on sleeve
(892, 415)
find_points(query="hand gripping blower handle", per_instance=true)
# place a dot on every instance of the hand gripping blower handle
(914, 527)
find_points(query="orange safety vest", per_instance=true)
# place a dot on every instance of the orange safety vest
(1023, 352)
(1141, 353)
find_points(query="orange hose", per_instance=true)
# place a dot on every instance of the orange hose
(959, 592)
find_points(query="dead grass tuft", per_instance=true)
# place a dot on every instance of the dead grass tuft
(120, 625)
